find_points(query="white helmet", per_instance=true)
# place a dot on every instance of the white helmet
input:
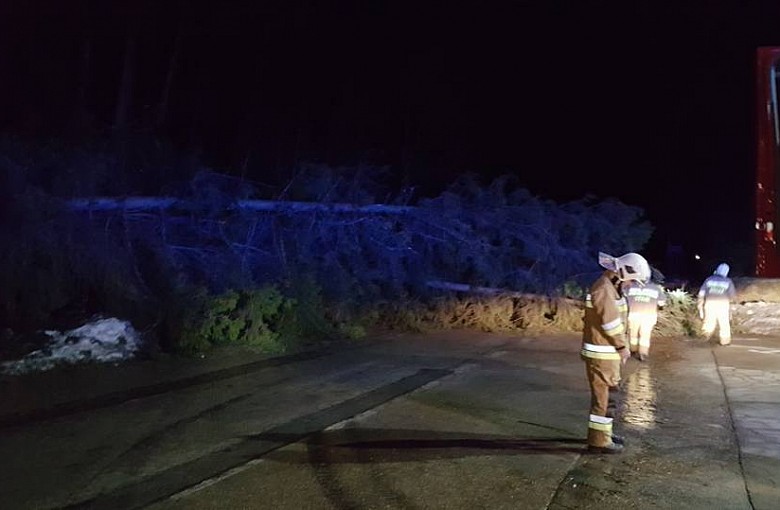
(631, 266)
(722, 270)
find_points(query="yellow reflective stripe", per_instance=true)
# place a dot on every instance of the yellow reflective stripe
(615, 330)
(604, 427)
(600, 355)
(597, 418)
(598, 348)
(588, 301)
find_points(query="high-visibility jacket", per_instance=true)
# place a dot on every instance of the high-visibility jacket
(715, 289)
(604, 331)
(644, 299)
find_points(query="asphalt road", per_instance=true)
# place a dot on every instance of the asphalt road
(447, 420)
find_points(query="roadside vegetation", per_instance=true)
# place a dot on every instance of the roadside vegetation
(211, 259)
(680, 316)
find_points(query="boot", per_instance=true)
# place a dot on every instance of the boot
(618, 439)
(610, 449)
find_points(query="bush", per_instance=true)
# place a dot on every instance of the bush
(352, 331)
(679, 317)
(307, 321)
(250, 317)
(262, 318)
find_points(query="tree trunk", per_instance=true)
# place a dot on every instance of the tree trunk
(125, 92)
(162, 112)
(79, 122)
(161, 203)
(86, 57)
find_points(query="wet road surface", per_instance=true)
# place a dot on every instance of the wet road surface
(446, 420)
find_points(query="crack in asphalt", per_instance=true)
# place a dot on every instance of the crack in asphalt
(733, 425)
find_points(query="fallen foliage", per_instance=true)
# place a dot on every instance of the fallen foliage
(679, 317)
(503, 313)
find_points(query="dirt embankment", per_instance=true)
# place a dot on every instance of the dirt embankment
(758, 289)
(758, 309)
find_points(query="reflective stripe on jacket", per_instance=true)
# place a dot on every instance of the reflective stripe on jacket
(599, 351)
(644, 299)
(717, 288)
(604, 330)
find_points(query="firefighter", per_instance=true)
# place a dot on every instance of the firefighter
(643, 299)
(603, 344)
(714, 303)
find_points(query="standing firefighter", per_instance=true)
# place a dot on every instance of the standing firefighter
(643, 301)
(714, 304)
(603, 344)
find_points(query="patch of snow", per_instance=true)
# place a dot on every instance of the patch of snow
(102, 340)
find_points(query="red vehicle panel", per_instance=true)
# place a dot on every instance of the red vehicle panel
(767, 159)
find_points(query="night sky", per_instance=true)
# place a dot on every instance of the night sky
(652, 105)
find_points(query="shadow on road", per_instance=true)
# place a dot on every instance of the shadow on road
(353, 445)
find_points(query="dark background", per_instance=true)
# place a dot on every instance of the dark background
(650, 104)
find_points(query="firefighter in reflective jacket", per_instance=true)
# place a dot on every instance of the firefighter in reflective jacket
(603, 343)
(714, 304)
(643, 301)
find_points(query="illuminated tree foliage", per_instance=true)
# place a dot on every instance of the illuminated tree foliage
(336, 226)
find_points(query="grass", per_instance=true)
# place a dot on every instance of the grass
(503, 313)
(527, 314)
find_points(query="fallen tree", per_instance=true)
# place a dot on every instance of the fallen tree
(129, 255)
